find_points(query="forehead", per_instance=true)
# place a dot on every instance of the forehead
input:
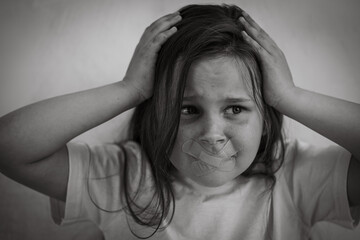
(218, 76)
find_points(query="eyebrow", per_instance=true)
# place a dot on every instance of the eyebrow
(227, 99)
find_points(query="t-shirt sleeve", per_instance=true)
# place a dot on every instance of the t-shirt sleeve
(95, 183)
(317, 181)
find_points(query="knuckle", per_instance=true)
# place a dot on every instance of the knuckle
(254, 31)
(256, 45)
(257, 36)
(153, 26)
(149, 29)
(261, 37)
(157, 24)
(258, 48)
(163, 25)
(161, 37)
(156, 27)
(259, 33)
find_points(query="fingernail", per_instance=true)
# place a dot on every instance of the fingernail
(242, 19)
(244, 14)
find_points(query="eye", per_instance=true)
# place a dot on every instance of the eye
(234, 109)
(189, 110)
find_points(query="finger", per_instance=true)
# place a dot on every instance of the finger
(165, 17)
(252, 23)
(164, 23)
(162, 37)
(259, 49)
(259, 36)
(250, 20)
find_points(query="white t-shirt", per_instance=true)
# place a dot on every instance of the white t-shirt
(310, 187)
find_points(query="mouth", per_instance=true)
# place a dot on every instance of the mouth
(213, 149)
(203, 168)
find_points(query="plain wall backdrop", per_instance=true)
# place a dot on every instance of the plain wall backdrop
(54, 47)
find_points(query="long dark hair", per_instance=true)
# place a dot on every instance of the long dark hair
(204, 31)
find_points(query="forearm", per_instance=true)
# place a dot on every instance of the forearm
(336, 119)
(37, 130)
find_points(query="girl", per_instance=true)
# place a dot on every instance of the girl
(207, 158)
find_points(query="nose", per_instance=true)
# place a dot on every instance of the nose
(212, 136)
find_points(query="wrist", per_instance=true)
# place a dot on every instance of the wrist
(287, 98)
(134, 91)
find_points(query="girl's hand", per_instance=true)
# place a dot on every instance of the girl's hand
(140, 73)
(275, 70)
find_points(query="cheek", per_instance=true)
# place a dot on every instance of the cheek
(246, 132)
(177, 156)
(247, 138)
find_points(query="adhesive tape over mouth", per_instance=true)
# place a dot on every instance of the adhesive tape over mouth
(206, 162)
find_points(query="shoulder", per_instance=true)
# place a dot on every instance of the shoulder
(306, 164)
(301, 155)
(308, 168)
(96, 180)
(104, 168)
(314, 180)
(106, 159)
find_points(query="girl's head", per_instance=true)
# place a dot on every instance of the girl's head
(208, 89)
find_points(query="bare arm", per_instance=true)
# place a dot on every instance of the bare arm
(33, 138)
(36, 131)
(336, 119)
